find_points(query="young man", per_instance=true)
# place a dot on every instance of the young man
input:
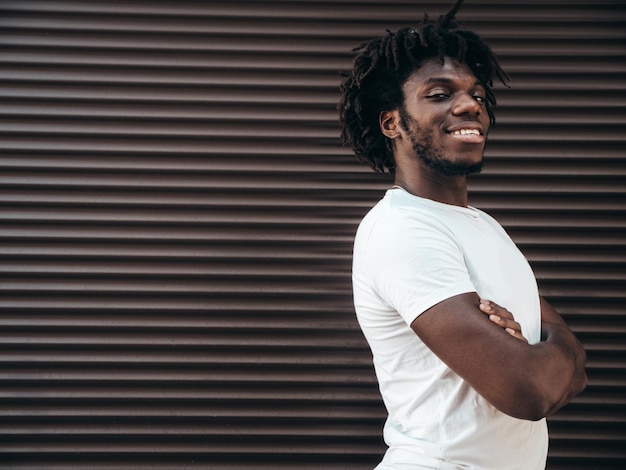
(467, 382)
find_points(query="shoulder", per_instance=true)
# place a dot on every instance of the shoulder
(397, 217)
(404, 237)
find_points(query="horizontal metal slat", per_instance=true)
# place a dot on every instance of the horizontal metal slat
(139, 204)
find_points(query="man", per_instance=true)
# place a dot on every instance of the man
(467, 382)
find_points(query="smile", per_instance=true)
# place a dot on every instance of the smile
(466, 132)
(467, 135)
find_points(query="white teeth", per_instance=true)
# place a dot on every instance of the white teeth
(466, 131)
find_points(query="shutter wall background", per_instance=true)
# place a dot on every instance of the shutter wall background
(176, 221)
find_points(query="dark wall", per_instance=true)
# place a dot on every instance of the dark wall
(177, 214)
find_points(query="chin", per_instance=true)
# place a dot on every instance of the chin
(447, 167)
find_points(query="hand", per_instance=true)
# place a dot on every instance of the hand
(503, 318)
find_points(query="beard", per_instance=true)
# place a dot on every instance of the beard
(432, 157)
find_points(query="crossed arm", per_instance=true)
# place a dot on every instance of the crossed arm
(522, 380)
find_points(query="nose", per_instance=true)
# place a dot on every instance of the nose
(466, 104)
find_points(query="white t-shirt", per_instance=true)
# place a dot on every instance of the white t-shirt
(411, 253)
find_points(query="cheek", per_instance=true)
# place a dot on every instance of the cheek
(485, 120)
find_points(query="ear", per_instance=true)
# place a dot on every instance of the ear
(389, 122)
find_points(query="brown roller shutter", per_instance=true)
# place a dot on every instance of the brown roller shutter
(176, 222)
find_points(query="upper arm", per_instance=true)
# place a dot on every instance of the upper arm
(504, 370)
(412, 264)
(549, 314)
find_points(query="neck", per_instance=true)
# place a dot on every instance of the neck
(427, 184)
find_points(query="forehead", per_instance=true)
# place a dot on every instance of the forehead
(433, 71)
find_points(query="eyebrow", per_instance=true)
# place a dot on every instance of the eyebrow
(448, 80)
(438, 80)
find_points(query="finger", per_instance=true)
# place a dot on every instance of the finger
(486, 306)
(490, 307)
(516, 334)
(505, 323)
(510, 326)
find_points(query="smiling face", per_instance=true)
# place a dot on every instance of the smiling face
(444, 118)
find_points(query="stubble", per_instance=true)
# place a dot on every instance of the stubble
(422, 143)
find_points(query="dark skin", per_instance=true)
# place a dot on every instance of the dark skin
(478, 339)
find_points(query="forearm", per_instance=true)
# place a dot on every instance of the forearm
(555, 330)
(546, 377)
(573, 359)
(562, 375)
(558, 367)
(522, 380)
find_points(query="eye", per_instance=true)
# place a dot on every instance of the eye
(480, 99)
(438, 96)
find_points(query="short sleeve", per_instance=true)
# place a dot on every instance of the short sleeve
(415, 263)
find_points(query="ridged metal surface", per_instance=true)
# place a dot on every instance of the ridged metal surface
(176, 221)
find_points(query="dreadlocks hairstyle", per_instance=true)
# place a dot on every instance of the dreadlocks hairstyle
(381, 66)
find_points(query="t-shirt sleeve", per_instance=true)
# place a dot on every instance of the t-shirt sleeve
(414, 264)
